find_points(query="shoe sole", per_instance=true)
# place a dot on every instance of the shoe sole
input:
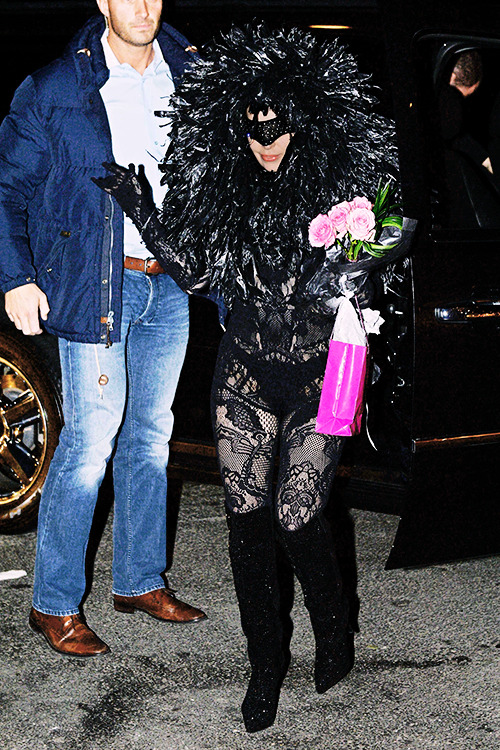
(36, 629)
(129, 610)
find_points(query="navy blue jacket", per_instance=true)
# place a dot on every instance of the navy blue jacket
(57, 228)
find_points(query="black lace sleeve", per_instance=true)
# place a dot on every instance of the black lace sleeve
(133, 193)
(187, 270)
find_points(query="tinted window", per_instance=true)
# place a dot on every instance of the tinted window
(460, 97)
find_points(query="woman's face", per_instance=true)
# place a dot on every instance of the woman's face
(269, 157)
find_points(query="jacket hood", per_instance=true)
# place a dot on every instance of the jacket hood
(86, 46)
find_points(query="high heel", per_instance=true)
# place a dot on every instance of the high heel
(334, 657)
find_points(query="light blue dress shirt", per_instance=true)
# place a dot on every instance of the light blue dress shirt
(138, 136)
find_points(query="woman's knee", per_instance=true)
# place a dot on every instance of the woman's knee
(298, 501)
(240, 503)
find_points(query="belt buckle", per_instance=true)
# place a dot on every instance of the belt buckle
(146, 261)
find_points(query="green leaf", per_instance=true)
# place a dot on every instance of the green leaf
(378, 251)
(393, 221)
(356, 248)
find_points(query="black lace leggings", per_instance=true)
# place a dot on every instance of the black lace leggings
(262, 405)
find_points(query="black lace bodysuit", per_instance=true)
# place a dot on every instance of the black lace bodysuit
(265, 399)
(266, 389)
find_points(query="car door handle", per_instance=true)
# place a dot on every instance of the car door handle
(473, 310)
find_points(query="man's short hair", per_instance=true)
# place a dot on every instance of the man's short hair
(468, 68)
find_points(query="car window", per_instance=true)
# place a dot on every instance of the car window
(459, 88)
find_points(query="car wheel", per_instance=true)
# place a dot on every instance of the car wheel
(30, 422)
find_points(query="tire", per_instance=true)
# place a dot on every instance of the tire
(30, 422)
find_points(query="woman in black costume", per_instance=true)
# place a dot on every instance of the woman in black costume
(268, 130)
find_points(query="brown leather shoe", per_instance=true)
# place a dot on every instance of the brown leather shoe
(161, 604)
(67, 635)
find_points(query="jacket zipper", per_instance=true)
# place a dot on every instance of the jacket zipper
(111, 314)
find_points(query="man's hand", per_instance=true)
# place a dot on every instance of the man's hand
(23, 305)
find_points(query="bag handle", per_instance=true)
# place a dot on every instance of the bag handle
(361, 319)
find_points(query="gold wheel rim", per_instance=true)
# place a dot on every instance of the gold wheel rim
(23, 433)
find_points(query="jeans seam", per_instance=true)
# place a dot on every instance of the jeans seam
(57, 481)
(151, 295)
(131, 442)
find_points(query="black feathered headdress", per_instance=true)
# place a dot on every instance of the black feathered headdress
(221, 204)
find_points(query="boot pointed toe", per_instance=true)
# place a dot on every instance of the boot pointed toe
(334, 660)
(260, 705)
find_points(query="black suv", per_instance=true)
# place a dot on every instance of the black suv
(430, 447)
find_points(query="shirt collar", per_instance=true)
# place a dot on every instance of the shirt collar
(158, 64)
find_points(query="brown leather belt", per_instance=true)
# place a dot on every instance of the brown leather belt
(149, 266)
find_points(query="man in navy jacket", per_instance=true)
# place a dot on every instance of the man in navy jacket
(68, 257)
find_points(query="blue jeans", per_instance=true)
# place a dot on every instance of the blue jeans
(114, 399)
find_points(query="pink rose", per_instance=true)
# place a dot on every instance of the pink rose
(321, 231)
(338, 216)
(361, 224)
(360, 202)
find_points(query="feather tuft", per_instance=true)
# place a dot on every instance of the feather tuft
(221, 204)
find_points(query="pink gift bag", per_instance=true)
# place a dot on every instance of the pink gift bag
(341, 402)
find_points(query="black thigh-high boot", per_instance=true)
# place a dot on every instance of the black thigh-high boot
(311, 553)
(253, 561)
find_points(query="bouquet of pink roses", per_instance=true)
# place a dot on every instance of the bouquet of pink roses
(353, 226)
(359, 237)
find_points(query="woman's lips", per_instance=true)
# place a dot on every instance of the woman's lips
(270, 157)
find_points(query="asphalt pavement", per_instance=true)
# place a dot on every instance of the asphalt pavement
(426, 673)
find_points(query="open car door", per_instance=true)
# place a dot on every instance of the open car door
(451, 504)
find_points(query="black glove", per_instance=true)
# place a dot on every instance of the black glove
(131, 190)
(330, 283)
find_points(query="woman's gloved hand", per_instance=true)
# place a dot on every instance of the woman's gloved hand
(131, 190)
(328, 285)
(363, 288)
